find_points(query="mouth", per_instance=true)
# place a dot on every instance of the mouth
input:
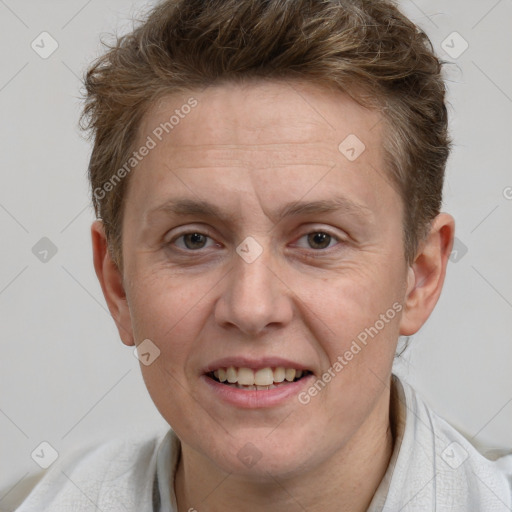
(260, 379)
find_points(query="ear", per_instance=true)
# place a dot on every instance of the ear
(111, 281)
(426, 274)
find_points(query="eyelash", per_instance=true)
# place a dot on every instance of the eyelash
(326, 232)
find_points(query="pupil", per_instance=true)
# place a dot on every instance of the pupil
(195, 238)
(319, 238)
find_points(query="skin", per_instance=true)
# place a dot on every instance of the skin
(250, 149)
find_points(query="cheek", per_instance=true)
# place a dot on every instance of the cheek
(171, 314)
(355, 316)
(169, 311)
(358, 319)
(160, 299)
(350, 302)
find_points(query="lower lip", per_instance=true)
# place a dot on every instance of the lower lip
(257, 399)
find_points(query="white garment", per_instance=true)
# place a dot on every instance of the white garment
(432, 468)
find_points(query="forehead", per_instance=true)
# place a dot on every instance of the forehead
(262, 125)
(255, 112)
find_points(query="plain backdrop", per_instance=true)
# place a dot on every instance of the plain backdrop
(66, 378)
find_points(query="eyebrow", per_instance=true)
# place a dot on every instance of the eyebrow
(185, 206)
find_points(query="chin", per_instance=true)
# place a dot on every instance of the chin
(263, 457)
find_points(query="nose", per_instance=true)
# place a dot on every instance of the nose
(255, 297)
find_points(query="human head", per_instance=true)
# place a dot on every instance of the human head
(253, 145)
(368, 50)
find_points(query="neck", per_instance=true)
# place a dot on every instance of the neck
(346, 481)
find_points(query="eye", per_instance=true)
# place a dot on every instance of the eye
(191, 241)
(195, 240)
(319, 240)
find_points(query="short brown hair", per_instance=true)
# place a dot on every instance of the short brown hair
(365, 48)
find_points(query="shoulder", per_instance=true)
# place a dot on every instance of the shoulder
(485, 481)
(116, 473)
(461, 476)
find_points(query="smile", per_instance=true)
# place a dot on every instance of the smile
(257, 379)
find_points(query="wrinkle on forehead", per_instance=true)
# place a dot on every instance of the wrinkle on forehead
(251, 156)
(254, 113)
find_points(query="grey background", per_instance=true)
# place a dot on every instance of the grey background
(65, 377)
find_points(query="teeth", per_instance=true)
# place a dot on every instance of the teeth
(248, 388)
(289, 374)
(232, 375)
(279, 374)
(264, 378)
(245, 377)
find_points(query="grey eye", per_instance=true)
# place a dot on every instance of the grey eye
(194, 240)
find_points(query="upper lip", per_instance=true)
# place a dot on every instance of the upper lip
(253, 363)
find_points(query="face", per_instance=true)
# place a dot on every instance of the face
(252, 240)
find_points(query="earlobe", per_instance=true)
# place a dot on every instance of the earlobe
(111, 281)
(426, 275)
